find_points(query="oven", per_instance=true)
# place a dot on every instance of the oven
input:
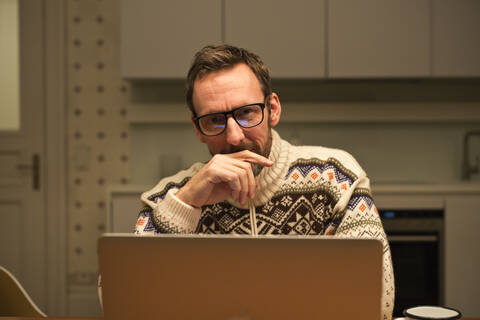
(416, 238)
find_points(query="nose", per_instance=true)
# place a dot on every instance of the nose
(233, 132)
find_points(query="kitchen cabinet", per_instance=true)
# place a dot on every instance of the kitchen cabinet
(159, 38)
(376, 38)
(456, 42)
(288, 35)
(306, 38)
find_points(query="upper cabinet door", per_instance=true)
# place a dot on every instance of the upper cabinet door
(159, 38)
(456, 41)
(287, 35)
(378, 38)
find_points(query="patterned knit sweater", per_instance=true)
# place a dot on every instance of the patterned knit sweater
(308, 191)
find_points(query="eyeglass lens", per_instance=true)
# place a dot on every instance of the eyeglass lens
(247, 117)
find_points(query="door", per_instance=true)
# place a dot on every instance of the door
(22, 206)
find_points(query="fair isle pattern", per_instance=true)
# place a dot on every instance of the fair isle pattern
(307, 175)
(363, 221)
(303, 206)
(361, 194)
(291, 214)
(332, 168)
(147, 222)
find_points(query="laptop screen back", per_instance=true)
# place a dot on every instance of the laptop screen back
(238, 277)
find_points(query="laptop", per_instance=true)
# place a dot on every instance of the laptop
(240, 277)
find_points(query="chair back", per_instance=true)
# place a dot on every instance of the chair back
(14, 300)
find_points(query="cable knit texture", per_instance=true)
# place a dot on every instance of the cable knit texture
(309, 190)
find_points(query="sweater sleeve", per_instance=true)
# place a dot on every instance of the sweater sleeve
(164, 212)
(361, 219)
(168, 215)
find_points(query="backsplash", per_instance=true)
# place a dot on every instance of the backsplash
(389, 152)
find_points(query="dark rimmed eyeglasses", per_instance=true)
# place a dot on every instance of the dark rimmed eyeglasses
(248, 116)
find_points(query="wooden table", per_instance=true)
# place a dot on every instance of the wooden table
(20, 318)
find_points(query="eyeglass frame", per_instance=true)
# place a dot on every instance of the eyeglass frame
(231, 112)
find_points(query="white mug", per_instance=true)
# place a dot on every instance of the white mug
(430, 313)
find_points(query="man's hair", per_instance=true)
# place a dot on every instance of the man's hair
(221, 57)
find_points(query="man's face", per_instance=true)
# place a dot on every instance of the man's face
(225, 90)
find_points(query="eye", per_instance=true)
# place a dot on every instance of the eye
(215, 119)
(247, 110)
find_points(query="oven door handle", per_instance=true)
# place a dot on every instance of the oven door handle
(416, 238)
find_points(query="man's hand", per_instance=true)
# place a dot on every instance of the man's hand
(225, 175)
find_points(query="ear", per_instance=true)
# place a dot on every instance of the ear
(275, 109)
(200, 136)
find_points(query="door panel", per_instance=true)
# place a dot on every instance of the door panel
(10, 176)
(10, 237)
(22, 208)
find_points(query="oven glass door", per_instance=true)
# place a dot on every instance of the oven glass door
(415, 260)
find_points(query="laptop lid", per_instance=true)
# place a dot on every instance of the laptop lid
(240, 277)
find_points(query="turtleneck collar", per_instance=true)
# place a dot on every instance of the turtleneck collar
(270, 178)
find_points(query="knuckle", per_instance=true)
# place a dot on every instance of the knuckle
(246, 166)
(211, 169)
(216, 158)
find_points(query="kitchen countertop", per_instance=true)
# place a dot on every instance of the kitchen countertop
(377, 188)
(426, 188)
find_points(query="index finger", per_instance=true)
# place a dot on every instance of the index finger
(252, 157)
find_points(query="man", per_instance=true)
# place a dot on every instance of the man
(255, 182)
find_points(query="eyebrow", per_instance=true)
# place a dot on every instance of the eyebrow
(221, 112)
